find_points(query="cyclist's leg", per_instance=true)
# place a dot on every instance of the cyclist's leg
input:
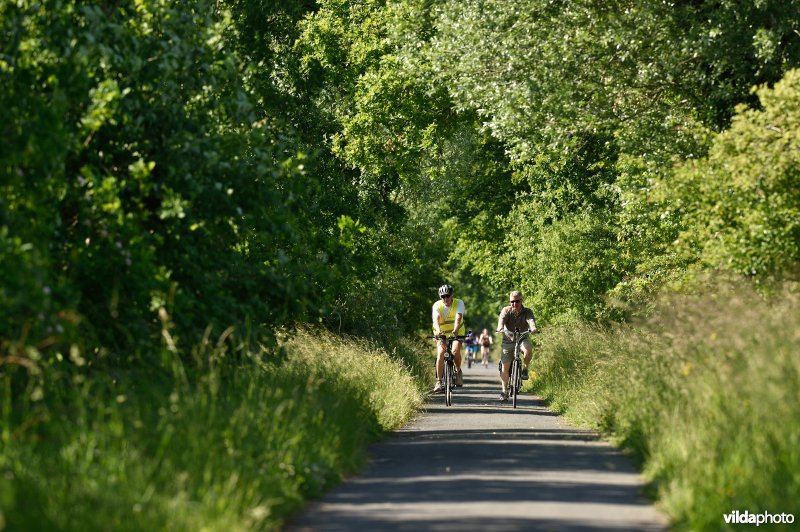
(527, 352)
(506, 356)
(505, 374)
(457, 354)
(441, 366)
(439, 360)
(457, 360)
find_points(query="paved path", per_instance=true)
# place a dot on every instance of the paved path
(480, 465)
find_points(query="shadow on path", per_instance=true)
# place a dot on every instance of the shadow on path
(482, 465)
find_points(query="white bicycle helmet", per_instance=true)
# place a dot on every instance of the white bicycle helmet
(445, 290)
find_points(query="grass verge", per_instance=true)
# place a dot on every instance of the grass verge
(704, 395)
(213, 444)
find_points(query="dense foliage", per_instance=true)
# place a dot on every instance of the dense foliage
(155, 156)
(549, 130)
(742, 203)
(240, 163)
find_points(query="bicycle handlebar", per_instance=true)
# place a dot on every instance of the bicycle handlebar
(518, 333)
(443, 337)
(519, 336)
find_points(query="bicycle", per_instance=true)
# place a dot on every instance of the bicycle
(470, 355)
(449, 373)
(515, 373)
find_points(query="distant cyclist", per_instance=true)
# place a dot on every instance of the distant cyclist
(485, 341)
(515, 317)
(471, 343)
(474, 348)
(448, 316)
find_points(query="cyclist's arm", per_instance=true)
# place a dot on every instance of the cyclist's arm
(459, 308)
(457, 323)
(532, 325)
(437, 330)
(500, 321)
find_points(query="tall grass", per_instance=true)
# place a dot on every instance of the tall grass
(229, 441)
(705, 394)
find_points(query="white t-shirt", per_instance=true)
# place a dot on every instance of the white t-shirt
(459, 309)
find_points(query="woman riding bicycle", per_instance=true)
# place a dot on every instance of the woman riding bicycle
(485, 342)
(448, 317)
(515, 317)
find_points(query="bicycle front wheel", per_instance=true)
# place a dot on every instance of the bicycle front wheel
(515, 379)
(448, 383)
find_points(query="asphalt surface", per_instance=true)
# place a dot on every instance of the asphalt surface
(483, 465)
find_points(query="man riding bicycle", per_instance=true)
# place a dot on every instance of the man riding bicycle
(447, 318)
(515, 317)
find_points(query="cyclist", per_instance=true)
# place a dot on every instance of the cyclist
(515, 317)
(448, 317)
(471, 343)
(473, 347)
(485, 341)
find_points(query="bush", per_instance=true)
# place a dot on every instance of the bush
(703, 394)
(741, 203)
(218, 444)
